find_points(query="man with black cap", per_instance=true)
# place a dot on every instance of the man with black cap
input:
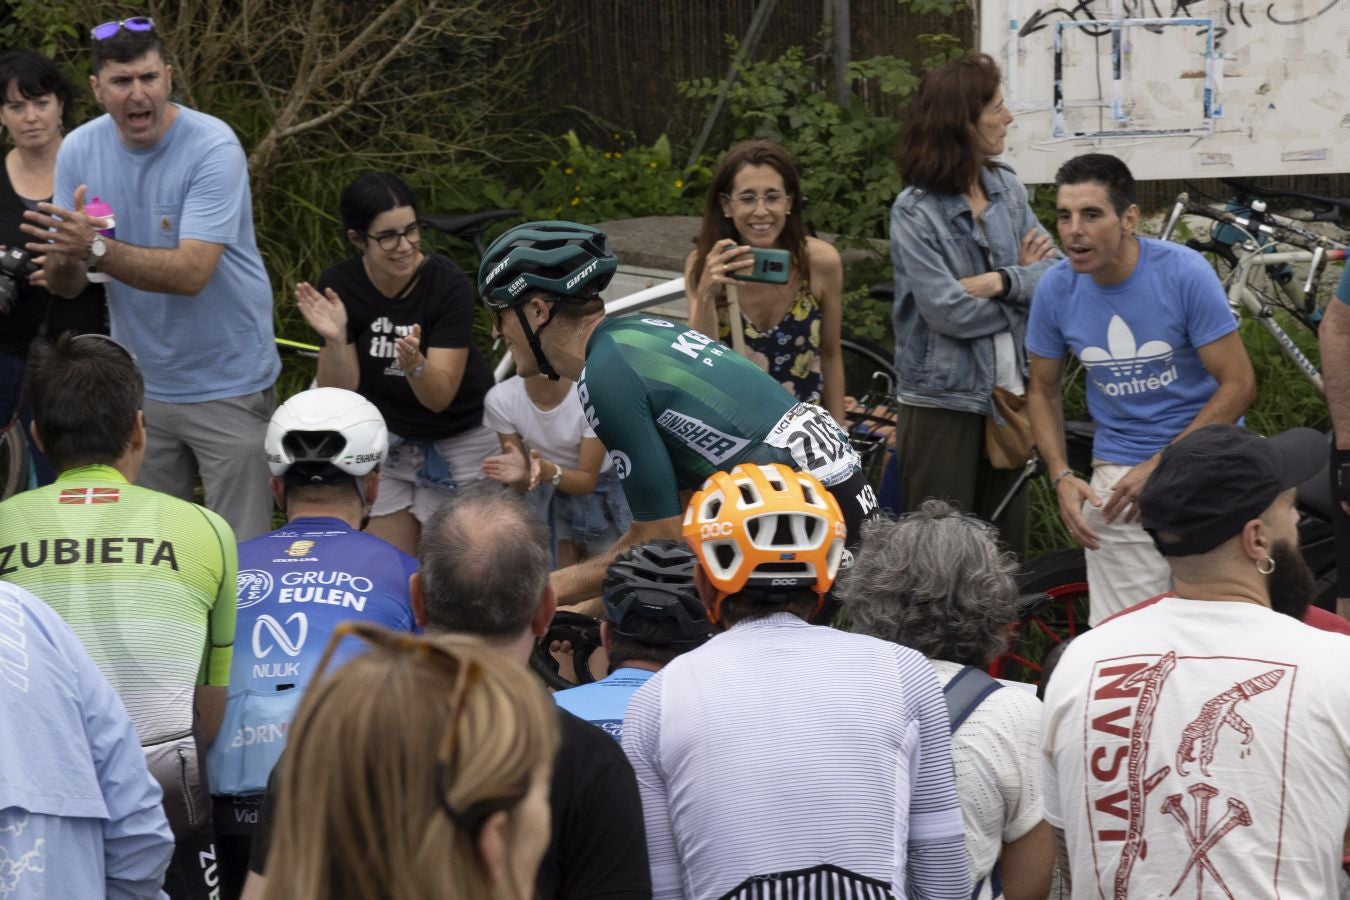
(1206, 739)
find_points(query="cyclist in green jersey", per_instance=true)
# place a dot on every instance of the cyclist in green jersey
(671, 405)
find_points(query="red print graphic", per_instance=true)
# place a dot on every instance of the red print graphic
(1142, 702)
(1220, 711)
(1201, 841)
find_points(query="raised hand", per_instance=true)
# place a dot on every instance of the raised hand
(324, 312)
(409, 349)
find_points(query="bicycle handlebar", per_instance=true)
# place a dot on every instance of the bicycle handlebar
(1266, 225)
(1334, 208)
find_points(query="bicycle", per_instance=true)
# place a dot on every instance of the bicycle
(1256, 252)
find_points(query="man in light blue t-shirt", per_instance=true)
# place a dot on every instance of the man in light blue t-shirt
(1334, 338)
(187, 289)
(1150, 323)
(653, 613)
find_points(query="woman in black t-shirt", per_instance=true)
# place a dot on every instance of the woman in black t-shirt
(397, 328)
(33, 98)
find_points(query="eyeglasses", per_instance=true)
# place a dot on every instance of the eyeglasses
(464, 673)
(388, 240)
(750, 200)
(108, 29)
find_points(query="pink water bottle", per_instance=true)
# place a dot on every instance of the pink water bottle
(100, 210)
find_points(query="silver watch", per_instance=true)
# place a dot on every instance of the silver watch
(557, 475)
(98, 248)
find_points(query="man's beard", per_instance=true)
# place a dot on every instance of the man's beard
(1291, 586)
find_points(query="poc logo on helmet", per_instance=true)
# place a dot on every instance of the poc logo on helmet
(715, 529)
(497, 269)
(580, 276)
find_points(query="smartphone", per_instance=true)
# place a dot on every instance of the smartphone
(771, 266)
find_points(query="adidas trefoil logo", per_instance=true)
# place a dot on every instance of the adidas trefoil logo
(1118, 369)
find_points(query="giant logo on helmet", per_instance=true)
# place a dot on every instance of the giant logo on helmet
(582, 275)
(497, 270)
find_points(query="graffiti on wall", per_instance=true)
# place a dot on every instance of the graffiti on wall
(1178, 88)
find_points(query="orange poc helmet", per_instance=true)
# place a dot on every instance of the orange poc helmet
(765, 525)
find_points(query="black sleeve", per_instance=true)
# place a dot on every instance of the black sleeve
(600, 842)
(449, 321)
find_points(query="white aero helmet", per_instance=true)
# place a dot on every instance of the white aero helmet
(326, 427)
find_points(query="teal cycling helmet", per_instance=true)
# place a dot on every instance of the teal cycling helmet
(564, 259)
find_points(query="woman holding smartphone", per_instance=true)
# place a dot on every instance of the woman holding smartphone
(966, 252)
(790, 329)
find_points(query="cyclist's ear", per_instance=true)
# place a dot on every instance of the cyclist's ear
(543, 617)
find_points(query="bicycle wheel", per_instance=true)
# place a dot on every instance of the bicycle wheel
(13, 460)
(1054, 609)
(870, 379)
(863, 359)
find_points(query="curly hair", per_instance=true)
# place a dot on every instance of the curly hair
(934, 580)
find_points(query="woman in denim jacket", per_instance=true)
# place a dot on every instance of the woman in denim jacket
(967, 252)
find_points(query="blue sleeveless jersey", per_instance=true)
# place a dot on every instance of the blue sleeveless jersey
(603, 703)
(295, 585)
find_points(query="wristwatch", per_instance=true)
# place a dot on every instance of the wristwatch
(97, 250)
(557, 475)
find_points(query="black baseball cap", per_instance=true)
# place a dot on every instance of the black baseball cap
(1212, 482)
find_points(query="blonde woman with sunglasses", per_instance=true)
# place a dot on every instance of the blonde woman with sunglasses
(419, 769)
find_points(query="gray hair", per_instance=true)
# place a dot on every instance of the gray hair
(934, 580)
(484, 563)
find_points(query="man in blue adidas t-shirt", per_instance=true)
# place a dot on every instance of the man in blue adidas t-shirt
(653, 614)
(1334, 337)
(296, 584)
(1150, 323)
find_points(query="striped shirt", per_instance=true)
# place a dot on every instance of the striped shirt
(781, 747)
(145, 580)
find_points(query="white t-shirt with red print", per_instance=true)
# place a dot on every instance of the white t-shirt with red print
(1201, 749)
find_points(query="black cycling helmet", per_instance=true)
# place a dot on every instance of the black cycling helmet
(567, 260)
(656, 581)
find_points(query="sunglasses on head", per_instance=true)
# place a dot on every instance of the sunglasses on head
(108, 29)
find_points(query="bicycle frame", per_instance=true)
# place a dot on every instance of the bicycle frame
(1258, 252)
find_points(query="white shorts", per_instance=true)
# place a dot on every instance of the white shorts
(401, 484)
(1128, 568)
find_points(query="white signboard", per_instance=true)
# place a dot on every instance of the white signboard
(1178, 89)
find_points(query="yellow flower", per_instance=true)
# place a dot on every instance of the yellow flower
(652, 164)
(618, 155)
(576, 201)
(679, 182)
(608, 155)
(567, 170)
(801, 366)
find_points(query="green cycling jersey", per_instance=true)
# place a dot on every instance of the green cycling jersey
(672, 407)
